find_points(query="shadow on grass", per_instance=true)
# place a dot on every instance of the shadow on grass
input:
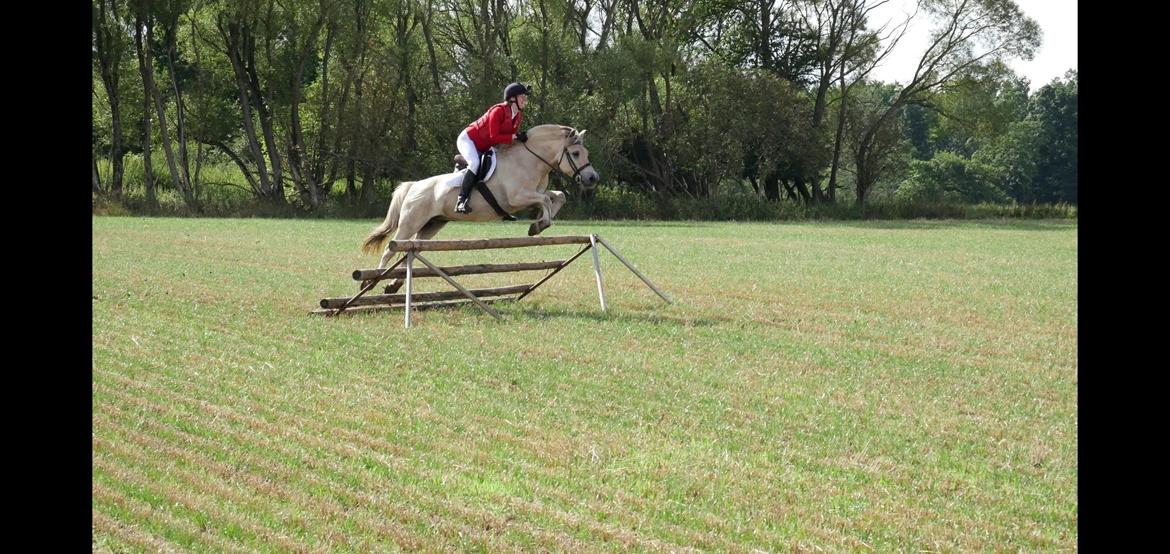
(922, 224)
(613, 315)
(517, 312)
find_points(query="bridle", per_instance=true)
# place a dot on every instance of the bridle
(564, 152)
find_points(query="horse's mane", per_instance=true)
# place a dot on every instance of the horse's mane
(548, 130)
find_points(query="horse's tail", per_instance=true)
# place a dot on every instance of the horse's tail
(373, 242)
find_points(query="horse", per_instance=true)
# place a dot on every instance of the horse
(419, 209)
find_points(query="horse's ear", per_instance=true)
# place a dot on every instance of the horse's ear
(581, 136)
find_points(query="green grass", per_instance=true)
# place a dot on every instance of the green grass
(880, 385)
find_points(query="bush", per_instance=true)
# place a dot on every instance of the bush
(951, 178)
(225, 193)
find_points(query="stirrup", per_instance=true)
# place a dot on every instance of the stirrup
(463, 205)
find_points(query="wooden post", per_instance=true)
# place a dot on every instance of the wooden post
(409, 283)
(554, 272)
(597, 271)
(635, 270)
(481, 244)
(473, 269)
(418, 297)
(448, 278)
(373, 283)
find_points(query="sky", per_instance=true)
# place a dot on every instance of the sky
(1057, 53)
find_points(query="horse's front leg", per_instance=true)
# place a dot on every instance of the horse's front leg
(558, 200)
(534, 198)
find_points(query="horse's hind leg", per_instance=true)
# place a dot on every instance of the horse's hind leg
(382, 264)
(408, 226)
(432, 228)
(429, 230)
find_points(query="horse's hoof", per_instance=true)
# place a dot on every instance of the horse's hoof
(533, 230)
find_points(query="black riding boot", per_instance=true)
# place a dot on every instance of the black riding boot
(465, 191)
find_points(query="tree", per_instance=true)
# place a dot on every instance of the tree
(238, 32)
(108, 49)
(861, 51)
(882, 150)
(972, 33)
(1054, 109)
(976, 109)
(146, 73)
(950, 177)
(146, 14)
(1015, 154)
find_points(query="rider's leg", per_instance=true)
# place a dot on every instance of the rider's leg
(471, 154)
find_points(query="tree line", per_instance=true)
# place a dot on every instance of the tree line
(304, 103)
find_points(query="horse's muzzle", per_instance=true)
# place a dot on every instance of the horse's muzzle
(588, 181)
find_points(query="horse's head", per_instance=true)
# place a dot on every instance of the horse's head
(576, 157)
(563, 148)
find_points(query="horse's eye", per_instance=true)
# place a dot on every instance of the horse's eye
(576, 155)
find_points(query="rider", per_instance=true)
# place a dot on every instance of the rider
(500, 125)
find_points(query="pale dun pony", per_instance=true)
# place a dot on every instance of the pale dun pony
(419, 209)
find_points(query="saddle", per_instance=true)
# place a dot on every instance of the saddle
(486, 160)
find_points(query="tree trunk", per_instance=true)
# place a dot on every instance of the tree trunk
(823, 85)
(302, 169)
(147, 107)
(97, 182)
(367, 190)
(764, 47)
(863, 175)
(544, 30)
(109, 56)
(180, 110)
(116, 153)
(265, 114)
(317, 168)
(233, 38)
(434, 62)
(302, 179)
(350, 185)
(802, 189)
(256, 187)
(198, 166)
(164, 131)
(402, 29)
(772, 187)
(607, 24)
(357, 138)
(867, 170)
(837, 146)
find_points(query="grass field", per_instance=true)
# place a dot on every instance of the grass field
(856, 386)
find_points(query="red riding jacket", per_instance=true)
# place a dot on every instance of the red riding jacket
(494, 127)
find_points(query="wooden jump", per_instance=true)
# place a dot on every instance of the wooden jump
(411, 250)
